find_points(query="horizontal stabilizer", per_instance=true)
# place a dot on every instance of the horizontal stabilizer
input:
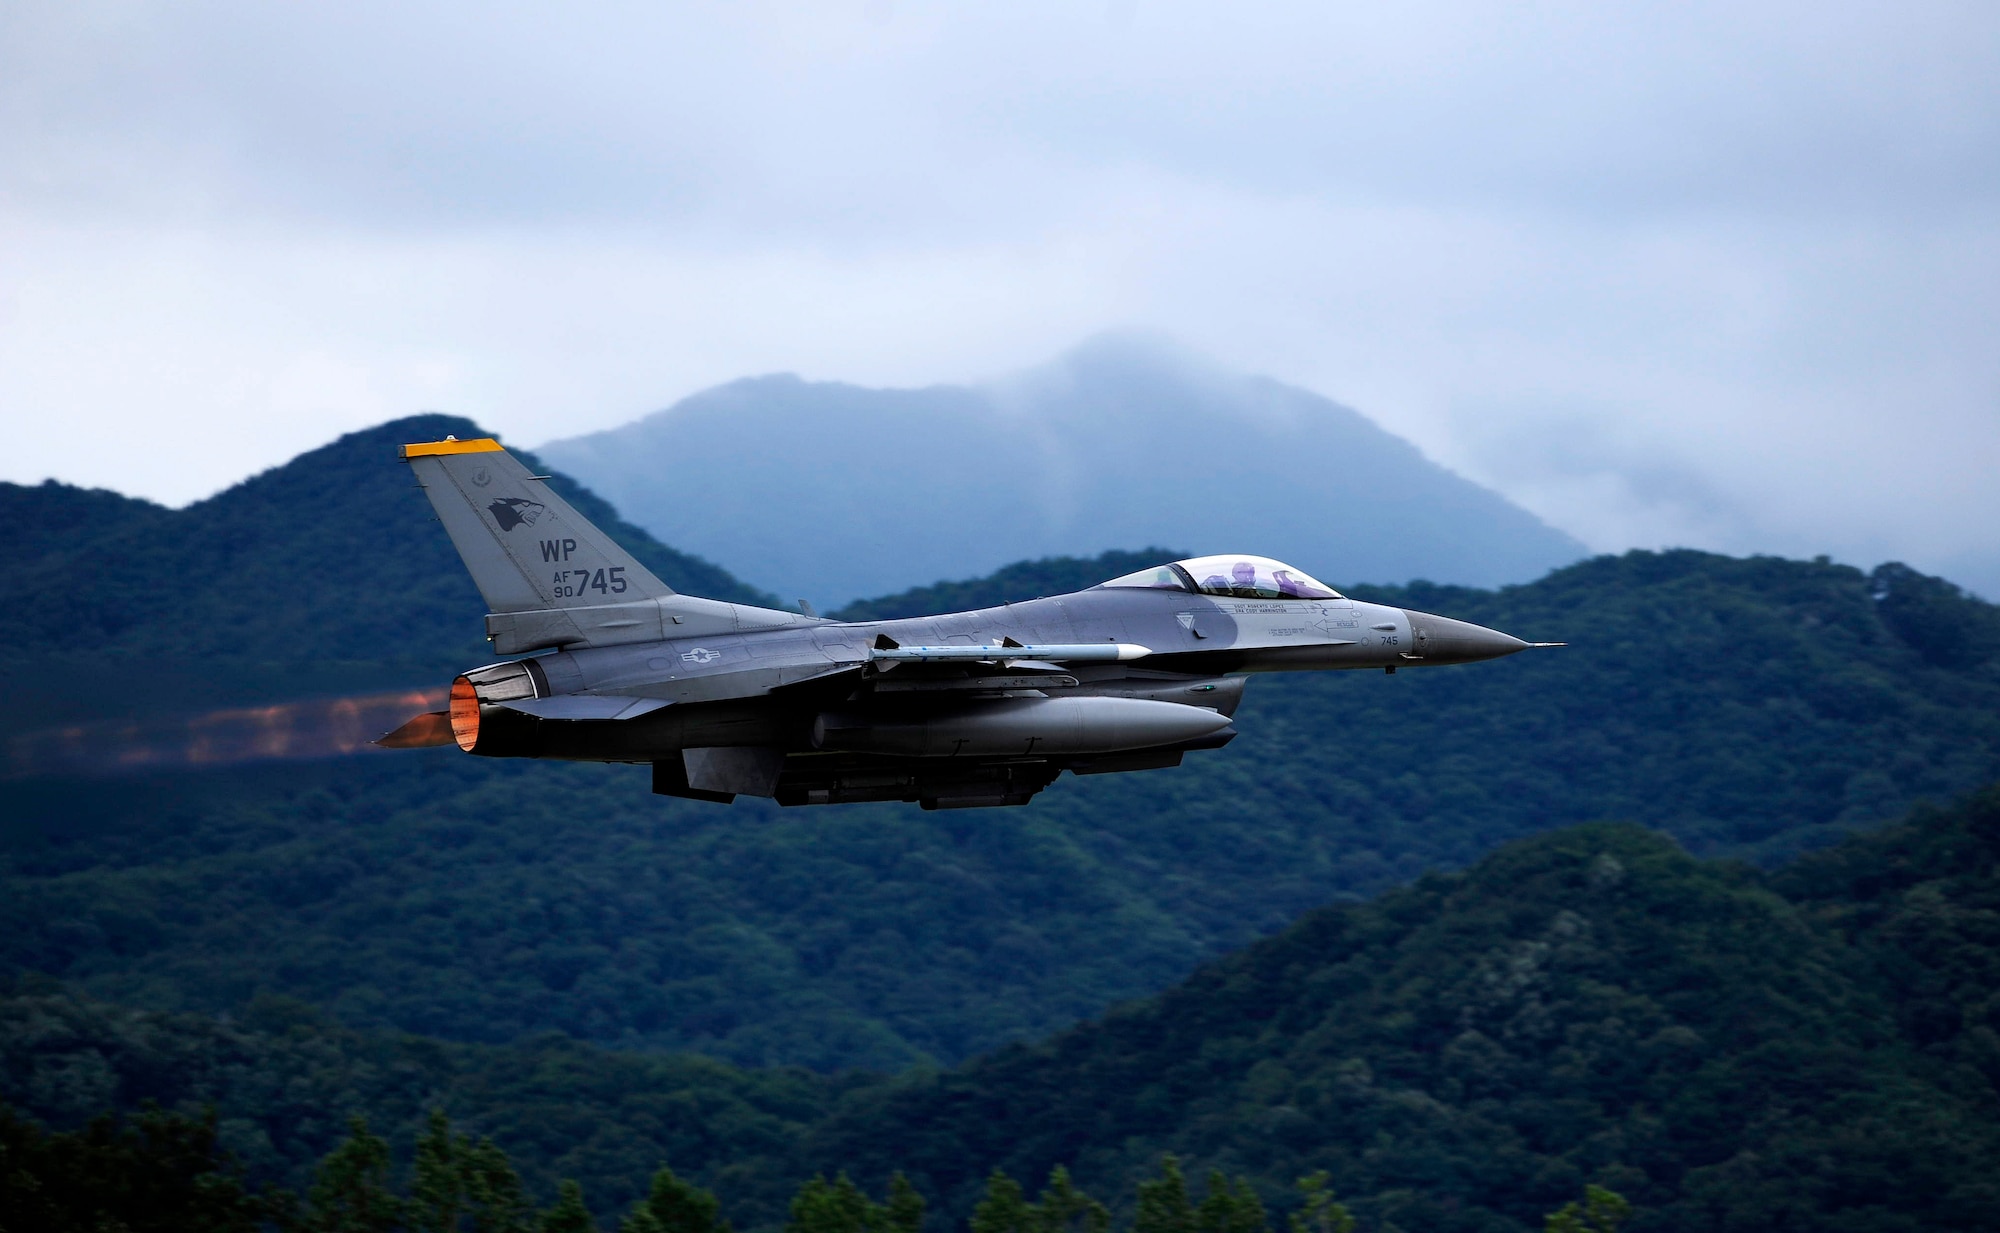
(1081, 652)
(586, 706)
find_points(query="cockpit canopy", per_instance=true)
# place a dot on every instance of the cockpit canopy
(1232, 577)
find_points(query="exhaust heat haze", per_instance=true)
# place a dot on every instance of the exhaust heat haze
(319, 728)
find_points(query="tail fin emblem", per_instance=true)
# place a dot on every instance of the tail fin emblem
(511, 512)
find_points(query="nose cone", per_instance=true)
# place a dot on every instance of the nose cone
(1441, 640)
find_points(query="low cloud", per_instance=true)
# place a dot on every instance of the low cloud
(1713, 275)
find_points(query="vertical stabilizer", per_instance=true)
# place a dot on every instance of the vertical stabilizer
(526, 548)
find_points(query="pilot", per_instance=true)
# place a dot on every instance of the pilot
(1245, 580)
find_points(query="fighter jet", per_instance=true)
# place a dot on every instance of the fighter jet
(969, 709)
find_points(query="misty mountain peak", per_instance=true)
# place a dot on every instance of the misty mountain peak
(831, 490)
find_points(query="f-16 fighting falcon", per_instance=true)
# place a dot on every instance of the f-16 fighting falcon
(969, 709)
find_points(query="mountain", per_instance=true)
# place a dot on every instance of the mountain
(331, 554)
(284, 1081)
(834, 491)
(1755, 708)
(1749, 707)
(1812, 1050)
(324, 574)
(1805, 1039)
(1809, 1048)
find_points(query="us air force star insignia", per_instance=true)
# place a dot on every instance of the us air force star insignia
(701, 655)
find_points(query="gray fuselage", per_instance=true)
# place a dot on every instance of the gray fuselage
(764, 687)
(967, 709)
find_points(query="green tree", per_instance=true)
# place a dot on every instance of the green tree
(904, 1213)
(160, 1173)
(437, 1192)
(1065, 1209)
(495, 1201)
(1004, 1209)
(1062, 1208)
(823, 1207)
(1602, 1211)
(640, 1220)
(569, 1215)
(350, 1192)
(459, 1183)
(677, 1206)
(1230, 1207)
(841, 1207)
(1163, 1202)
(1320, 1213)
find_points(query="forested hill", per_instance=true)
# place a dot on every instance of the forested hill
(1809, 1049)
(1820, 1049)
(334, 555)
(328, 575)
(1814, 1047)
(284, 1081)
(1750, 707)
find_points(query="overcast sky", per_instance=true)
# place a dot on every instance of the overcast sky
(1724, 275)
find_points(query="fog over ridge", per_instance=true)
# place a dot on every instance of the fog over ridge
(1714, 275)
(836, 492)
